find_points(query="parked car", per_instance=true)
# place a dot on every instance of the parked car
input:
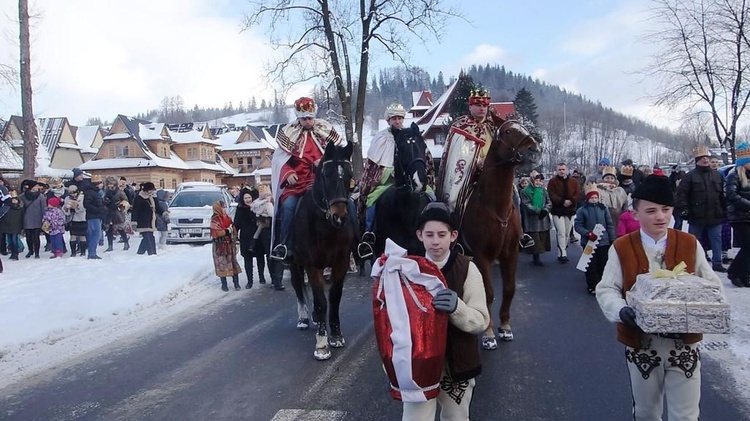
(190, 212)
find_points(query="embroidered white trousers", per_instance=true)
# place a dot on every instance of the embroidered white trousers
(454, 400)
(665, 368)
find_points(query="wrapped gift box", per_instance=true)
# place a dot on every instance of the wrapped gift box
(683, 304)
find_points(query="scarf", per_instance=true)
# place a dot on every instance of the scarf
(537, 196)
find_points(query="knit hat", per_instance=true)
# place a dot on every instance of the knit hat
(742, 151)
(148, 186)
(605, 161)
(305, 107)
(77, 172)
(536, 175)
(53, 202)
(590, 190)
(394, 110)
(627, 161)
(655, 188)
(435, 211)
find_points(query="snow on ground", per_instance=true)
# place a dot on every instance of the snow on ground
(55, 310)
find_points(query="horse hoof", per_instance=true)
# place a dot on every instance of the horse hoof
(337, 341)
(303, 324)
(322, 354)
(489, 343)
(505, 334)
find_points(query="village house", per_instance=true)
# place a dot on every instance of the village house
(143, 151)
(57, 154)
(89, 139)
(249, 152)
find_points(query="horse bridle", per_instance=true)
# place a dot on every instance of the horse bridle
(323, 204)
(517, 157)
(412, 142)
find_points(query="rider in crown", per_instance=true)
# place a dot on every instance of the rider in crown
(461, 165)
(301, 147)
(378, 174)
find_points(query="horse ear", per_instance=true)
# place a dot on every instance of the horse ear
(330, 147)
(348, 149)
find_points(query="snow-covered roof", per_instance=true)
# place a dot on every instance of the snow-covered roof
(150, 131)
(85, 136)
(192, 136)
(9, 159)
(44, 170)
(116, 136)
(250, 145)
(50, 130)
(262, 171)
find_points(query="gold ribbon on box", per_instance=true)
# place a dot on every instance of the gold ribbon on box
(677, 271)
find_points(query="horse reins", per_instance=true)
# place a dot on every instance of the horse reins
(517, 158)
(324, 205)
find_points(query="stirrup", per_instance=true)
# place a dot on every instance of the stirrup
(368, 237)
(364, 250)
(279, 252)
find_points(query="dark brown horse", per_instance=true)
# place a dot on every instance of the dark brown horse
(491, 224)
(323, 238)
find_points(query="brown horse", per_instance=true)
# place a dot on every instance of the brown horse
(323, 238)
(491, 226)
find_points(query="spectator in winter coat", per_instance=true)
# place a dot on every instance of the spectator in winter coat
(11, 225)
(75, 214)
(612, 195)
(627, 223)
(127, 189)
(536, 204)
(34, 204)
(162, 220)
(116, 220)
(737, 190)
(263, 210)
(245, 222)
(95, 212)
(627, 179)
(636, 176)
(590, 214)
(145, 211)
(54, 218)
(700, 200)
(599, 172)
(563, 193)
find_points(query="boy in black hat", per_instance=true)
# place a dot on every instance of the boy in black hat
(464, 300)
(659, 364)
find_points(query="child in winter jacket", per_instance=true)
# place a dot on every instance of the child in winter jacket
(11, 226)
(627, 223)
(54, 219)
(587, 217)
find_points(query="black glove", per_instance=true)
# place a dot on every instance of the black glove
(543, 213)
(445, 300)
(627, 315)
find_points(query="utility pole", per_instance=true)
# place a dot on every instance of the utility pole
(29, 128)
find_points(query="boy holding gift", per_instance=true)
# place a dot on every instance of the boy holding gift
(464, 300)
(659, 364)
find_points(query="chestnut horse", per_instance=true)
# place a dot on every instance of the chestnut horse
(323, 238)
(491, 226)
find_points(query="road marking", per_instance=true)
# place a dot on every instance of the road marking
(308, 415)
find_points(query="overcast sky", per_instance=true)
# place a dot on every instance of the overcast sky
(100, 58)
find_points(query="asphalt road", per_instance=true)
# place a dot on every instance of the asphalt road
(244, 360)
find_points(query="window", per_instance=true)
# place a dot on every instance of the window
(440, 139)
(121, 151)
(161, 183)
(192, 153)
(164, 152)
(240, 161)
(206, 154)
(174, 183)
(231, 160)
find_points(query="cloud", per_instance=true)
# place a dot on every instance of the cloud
(98, 58)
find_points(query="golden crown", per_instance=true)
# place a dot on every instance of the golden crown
(609, 170)
(590, 187)
(627, 170)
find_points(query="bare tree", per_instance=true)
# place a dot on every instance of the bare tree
(328, 39)
(30, 142)
(701, 61)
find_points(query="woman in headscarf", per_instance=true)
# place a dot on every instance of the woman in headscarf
(535, 203)
(224, 246)
(244, 221)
